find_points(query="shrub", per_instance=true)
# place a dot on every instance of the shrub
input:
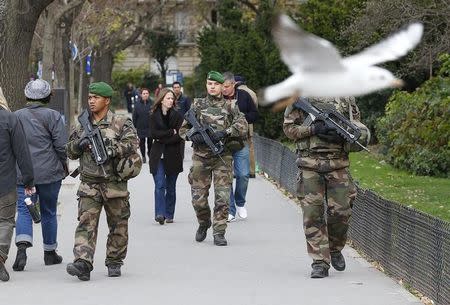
(416, 127)
(139, 77)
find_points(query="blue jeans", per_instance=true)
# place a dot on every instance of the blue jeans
(48, 198)
(165, 195)
(241, 161)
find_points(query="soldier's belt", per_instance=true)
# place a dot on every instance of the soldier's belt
(89, 179)
(322, 156)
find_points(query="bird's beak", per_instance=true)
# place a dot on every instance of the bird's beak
(397, 83)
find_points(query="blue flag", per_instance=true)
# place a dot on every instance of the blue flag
(88, 64)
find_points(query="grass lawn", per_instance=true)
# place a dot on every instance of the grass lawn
(428, 194)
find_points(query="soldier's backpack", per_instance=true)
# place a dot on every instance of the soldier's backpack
(130, 166)
(234, 144)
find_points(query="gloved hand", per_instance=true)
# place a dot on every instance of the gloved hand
(332, 137)
(197, 139)
(219, 135)
(298, 121)
(319, 127)
(84, 144)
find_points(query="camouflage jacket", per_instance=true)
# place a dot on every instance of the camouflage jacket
(118, 135)
(220, 114)
(314, 152)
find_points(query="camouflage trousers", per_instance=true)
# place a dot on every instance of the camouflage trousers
(326, 200)
(92, 197)
(202, 173)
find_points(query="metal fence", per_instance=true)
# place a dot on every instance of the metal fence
(408, 244)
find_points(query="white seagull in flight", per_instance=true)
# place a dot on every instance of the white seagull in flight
(319, 71)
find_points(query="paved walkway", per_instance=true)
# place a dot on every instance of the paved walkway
(265, 262)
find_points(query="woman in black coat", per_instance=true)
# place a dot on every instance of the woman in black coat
(166, 156)
(141, 112)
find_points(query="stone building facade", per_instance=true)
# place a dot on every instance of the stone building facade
(184, 18)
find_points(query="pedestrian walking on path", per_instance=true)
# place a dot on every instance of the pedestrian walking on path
(227, 122)
(166, 156)
(241, 158)
(103, 185)
(141, 113)
(13, 150)
(323, 177)
(46, 137)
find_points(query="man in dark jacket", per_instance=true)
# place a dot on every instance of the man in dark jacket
(183, 103)
(13, 149)
(141, 117)
(240, 84)
(241, 158)
(131, 97)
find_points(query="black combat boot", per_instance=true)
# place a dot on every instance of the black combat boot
(201, 231)
(21, 257)
(319, 270)
(114, 270)
(52, 258)
(4, 275)
(219, 239)
(337, 261)
(81, 269)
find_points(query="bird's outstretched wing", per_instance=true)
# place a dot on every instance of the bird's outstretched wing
(302, 51)
(388, 49)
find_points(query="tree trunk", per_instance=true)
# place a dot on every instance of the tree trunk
(48, 44)
(80, 85)
(73, 105)
(102, 66)
(17, 23)
(163, 69)
(53, 15)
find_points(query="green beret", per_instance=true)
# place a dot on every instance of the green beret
(101, 88)
(217, 76)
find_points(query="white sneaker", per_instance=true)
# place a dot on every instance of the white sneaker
(242, 212)
(231, 218)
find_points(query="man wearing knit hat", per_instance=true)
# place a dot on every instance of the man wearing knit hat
(46, 136)
(103, 185)
(228, 124)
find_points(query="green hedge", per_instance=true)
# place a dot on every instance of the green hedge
(416, 127)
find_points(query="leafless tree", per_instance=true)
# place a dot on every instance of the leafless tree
(382, 17)
(18, 20)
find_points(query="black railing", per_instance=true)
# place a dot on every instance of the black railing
(409, 244)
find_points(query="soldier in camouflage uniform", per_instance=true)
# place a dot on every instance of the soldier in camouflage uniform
(228, 123)
(103, 186)
(324, 181)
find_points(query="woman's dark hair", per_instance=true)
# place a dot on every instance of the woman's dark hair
(145, 89)
(161, 96)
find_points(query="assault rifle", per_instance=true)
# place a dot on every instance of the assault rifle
(333, 119)
(205, 130)
(94, 136)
